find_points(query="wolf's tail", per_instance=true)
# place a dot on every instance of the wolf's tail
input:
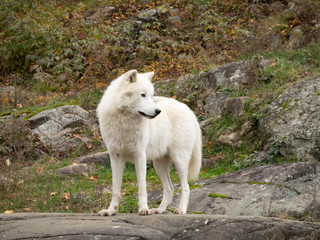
(196, 157)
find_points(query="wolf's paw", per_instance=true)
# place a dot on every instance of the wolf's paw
(179, 211)
(157, 211)
(145, 211)
(106, 212)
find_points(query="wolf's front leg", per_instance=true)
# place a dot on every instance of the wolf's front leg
(141, 169)
(117, 166)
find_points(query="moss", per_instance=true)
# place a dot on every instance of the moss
(195, 212)
(263, 183)
(215, 195)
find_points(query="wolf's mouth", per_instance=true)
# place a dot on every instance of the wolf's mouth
(145, 115)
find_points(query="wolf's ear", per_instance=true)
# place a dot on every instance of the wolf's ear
(149, 75)
(131, 76)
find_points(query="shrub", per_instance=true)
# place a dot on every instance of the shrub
(17, 143)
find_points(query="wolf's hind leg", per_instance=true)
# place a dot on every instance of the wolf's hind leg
(162, 167)
(182, 168)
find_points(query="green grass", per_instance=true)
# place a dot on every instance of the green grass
(39, 189)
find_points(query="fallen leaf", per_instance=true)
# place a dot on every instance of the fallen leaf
(27, 209)
(33, 68)
(20, 182)
(65, 197)
(9, 211)
(94, 177)
(39, 170)
(8, 162)
(52, 160)
(53, 193)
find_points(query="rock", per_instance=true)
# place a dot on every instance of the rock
(215, 104)
(76, 169)
(235, 106)
(234, 138)
(229, 138)
(219, 103)
(85, 164)
(284, 191)
(154, 227)
(294, 118)
(234, 74)
(102, 158)
(246, 128)
(101, 13)
(60, 128)
(296, 38)
(147, 15)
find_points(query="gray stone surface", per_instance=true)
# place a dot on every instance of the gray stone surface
(148, 14)
(60, 128)
(75, 169)
(294, 117)
(168, 226)
(101, 13)
(102, 158)
(291, 190)
(215, 104)
(234, 74)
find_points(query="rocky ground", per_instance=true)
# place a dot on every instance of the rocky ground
(236, 205)
(168, 226)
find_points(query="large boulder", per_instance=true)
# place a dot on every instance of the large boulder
(101, 13)
(235, 74)
(169, 226)
(215, 104)
(61, 129)
(294, 118)
(284, 191)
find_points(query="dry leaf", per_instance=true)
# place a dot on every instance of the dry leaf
(52, 160)
(8, 162)
(53, 193)
(33, 68)
(9, 211)
(94, 177)
(39, 170)
(27, 209)
(65, 197)
(20, 182)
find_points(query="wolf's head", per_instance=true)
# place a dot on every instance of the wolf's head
(136, 94)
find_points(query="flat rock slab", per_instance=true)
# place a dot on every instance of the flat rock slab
(282, 191)
(167, 226)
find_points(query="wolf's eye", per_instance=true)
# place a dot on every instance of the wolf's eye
(143, 95)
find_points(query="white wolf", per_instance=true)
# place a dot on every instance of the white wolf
(136, 127)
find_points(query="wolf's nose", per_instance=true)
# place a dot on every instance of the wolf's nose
(157, 111)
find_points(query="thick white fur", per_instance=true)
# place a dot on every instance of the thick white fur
(173, 136)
